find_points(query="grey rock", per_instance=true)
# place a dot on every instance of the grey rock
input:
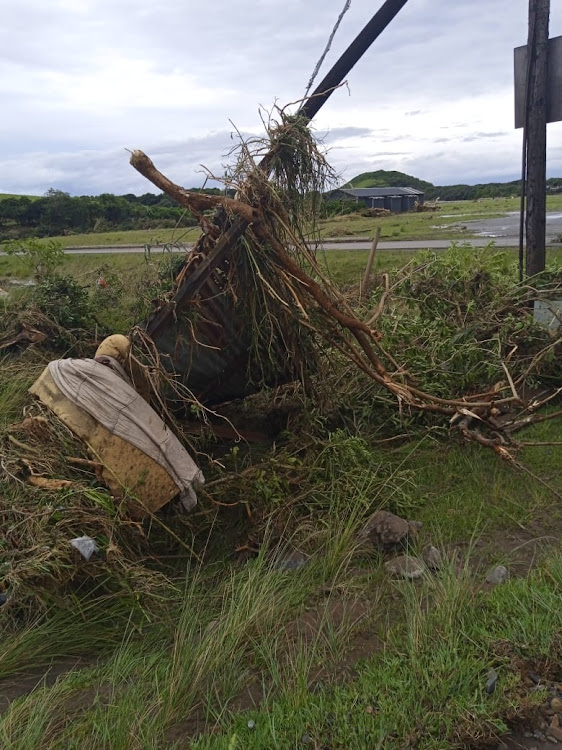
(491, 681)
(389, 532)
(432, 557)
(291, 561)
(405, 566)
(497, 574)
(251, 724)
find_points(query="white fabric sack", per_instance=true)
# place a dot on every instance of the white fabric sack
(113, 402)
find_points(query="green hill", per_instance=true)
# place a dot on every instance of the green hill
(384, 178)
(4, 196)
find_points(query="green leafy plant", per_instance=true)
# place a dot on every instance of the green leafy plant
(65, 301)
(39, 258)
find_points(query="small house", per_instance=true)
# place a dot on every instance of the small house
(395, 199)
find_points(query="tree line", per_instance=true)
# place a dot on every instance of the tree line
(58, 213)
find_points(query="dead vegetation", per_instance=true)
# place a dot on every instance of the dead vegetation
(448, 343)
(428, 206)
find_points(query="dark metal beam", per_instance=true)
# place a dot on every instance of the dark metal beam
(353, 53)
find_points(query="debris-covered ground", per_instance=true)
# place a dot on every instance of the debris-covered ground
(283, 611)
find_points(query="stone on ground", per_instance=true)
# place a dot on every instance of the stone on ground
(405, 566)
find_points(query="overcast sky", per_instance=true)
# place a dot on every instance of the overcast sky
(82, 80)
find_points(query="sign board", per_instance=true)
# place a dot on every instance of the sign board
(554, 82)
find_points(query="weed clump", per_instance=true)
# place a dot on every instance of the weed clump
(459, 320)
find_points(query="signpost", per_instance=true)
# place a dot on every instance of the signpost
(535, 85)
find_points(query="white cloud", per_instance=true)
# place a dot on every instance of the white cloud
(81, 80)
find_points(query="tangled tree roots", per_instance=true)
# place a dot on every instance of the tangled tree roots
(267, 227)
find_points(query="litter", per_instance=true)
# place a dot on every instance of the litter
(85, 545)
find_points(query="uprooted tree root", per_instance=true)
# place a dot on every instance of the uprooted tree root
(266, 227)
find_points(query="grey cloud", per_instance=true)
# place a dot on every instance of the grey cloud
(94, 172)
(480, 136)
(337, 134)
(435, 52)
(381, 154)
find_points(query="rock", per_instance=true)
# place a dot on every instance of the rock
(291, 561)
(3, 599)
(492, 681)
(405, 567)
(496, 575)
(432, 557)
(251, 724)
(556, 704)
(389, 532)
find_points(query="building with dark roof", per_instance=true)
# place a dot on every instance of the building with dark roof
(395, 199)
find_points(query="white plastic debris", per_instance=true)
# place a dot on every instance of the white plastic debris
(85, 545)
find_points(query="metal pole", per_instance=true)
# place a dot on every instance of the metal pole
(539, 11)
(353, 53)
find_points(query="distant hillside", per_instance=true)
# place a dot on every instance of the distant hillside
(384, 178)
(5, 196)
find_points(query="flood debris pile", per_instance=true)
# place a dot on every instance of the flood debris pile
(252, 306)
(448, 341)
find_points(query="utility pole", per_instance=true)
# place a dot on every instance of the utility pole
(535, 134)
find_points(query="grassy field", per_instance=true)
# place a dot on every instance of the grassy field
(447, 223)
(152, 237)
(332, 655)
(236, 654)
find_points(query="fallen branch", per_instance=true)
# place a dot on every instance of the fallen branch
(196, 202)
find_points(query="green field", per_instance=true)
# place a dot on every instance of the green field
(194, 632)
(444, 224)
